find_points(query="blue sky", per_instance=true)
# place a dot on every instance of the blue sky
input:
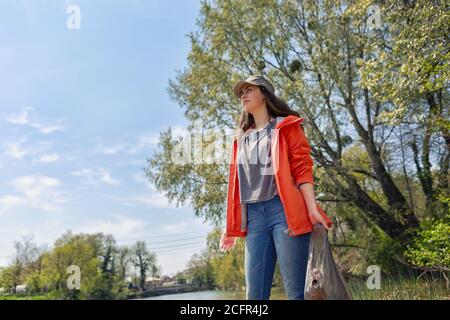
(80, 111)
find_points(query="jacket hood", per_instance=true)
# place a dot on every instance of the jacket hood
(282, 122)
(288, 120)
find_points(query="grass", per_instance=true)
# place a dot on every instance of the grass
(392, 288)
(23, 297)
(401, 289)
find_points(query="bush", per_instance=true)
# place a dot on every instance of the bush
(383, 252)
(430, 248)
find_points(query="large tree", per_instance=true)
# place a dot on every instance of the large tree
(319, 54)
(143, 260)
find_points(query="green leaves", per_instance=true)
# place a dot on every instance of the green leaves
(94, 255)
(411, 56)
(375, 100)
(431, 247)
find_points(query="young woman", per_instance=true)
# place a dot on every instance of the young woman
(271, 198)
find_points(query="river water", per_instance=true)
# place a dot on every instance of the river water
(201, 295)
(276, 294)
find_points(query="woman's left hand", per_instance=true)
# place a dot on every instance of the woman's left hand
(316, 217)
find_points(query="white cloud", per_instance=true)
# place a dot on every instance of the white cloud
(16, 149)
(20, 118)
(97, 176)
(150, 140)
(152, 197)
(177, 227)
(153, 200)
(143, 142)
(46, 129)
(111, 150)
(183, 226)
(178, 131)
(147, 140)
(141, 179)
(27, 116)
(120, 227)
(40, 192)
(133, 146)
(39, 189)
(7, 202)
(46, 158)
(19, 148)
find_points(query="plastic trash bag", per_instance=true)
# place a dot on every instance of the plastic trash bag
(323, 279)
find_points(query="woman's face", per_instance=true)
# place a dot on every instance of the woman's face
(252, 98)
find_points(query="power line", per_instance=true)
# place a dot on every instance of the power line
(165, 253)
(180, 248)
(176, 240)
(201, 238)
(10, 243)
(175, 255)
(160, 236)
(177, 251)
(178, 245)
(169, 247)
(163, 250)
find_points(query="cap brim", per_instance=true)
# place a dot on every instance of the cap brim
(238, 86)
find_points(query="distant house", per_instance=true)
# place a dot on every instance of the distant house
(170, 283)
(22, 288)
(153, 281)
(188, 276)
(166, 278)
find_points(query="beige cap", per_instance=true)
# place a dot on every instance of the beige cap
(255, 80)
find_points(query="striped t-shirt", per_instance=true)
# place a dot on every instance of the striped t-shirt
(255, 172)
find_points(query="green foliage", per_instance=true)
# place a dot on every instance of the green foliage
(414, 59)
(203, 184)
(144, 261)
(383, 252)
(47, 274)
(375, 102)
(199, 270)
(7, 278)
(181, 278)
(79, 250)
(228, 270)
(355, 85)
(227, 267)
(401, 288)
(431, 247)
(318, 54)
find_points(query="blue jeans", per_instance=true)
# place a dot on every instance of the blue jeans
(266, 242)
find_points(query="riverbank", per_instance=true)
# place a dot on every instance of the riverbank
(170, 290)
(391, 289)
(23, 297)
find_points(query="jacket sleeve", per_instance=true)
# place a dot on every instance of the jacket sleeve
(299, 155)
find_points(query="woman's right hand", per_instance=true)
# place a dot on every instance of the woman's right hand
(226, 243)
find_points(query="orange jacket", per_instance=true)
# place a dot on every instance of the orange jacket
(292, 165)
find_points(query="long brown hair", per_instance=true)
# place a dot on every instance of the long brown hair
(275, 107)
